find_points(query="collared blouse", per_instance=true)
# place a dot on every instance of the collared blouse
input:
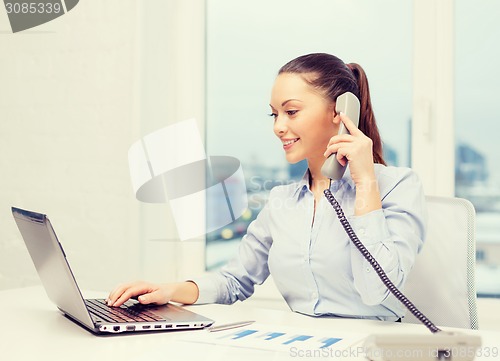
(313, 262)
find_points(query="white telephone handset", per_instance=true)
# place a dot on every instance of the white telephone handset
(348, 104)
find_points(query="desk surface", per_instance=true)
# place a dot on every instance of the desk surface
(33, 329)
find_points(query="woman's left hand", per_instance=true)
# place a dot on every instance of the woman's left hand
(356, 148)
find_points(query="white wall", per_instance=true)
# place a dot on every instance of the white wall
(68, 113)
(75, 94)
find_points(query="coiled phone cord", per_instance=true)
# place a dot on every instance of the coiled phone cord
(376, 266)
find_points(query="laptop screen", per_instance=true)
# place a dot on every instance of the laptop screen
(51, 264)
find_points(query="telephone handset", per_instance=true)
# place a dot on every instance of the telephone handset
(348, 104)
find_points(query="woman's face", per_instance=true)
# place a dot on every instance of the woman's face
(303, 118)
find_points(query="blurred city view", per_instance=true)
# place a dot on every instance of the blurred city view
(473, 182)
(239, 83)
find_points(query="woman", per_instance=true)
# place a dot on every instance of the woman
(297, 237)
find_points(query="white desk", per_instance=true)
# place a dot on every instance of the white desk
(33, 329)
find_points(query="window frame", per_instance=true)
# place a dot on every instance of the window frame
(433, 136)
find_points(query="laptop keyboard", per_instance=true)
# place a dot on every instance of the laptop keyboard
(128, 312)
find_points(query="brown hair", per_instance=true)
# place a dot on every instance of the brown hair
(332, 77)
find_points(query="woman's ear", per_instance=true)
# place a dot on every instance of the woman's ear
(336, 118)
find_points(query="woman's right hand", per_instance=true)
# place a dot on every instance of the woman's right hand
(145, 292)
(154, 293)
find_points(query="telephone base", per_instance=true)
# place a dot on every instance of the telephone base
(439, 346)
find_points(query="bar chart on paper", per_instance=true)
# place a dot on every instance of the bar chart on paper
(279, 338)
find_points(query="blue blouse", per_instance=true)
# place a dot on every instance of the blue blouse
(314, 264)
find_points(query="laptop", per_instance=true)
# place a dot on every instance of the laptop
(93, 314)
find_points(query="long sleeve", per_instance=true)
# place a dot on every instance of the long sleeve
(314, 265)
(393, 235)
(236, 280)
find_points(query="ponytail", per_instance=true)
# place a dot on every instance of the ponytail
(367, 122)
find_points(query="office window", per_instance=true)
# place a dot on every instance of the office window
(477, 89)
(247, 42)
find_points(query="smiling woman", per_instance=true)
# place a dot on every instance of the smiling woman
(297, 237)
